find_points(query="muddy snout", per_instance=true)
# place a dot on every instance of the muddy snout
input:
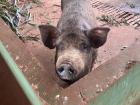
(66, 72)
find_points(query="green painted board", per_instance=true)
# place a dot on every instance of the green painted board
(14, 88)
(126, 91)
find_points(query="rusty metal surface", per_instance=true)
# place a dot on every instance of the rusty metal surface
(25, 60)
(10, 92)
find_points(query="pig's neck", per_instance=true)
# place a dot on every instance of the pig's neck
(77, 14)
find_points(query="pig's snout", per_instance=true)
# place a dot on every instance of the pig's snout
(66, 72)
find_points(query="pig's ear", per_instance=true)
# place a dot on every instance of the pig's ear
(49, 34)
(98, 36)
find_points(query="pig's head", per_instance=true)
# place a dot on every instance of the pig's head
(76, 50)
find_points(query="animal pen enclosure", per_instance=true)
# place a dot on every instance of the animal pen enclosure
(115, 81)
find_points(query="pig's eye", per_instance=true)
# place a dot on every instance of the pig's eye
(60, 46)
(84, 46)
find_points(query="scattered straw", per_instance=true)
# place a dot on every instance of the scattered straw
(14, 16)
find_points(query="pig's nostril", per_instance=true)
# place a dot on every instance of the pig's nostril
(60, 70)
(71, 71)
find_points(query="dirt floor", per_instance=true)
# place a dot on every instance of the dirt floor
(49, 11)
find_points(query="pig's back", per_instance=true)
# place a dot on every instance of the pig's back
(77, 13)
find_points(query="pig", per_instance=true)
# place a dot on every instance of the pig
(76, 39)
